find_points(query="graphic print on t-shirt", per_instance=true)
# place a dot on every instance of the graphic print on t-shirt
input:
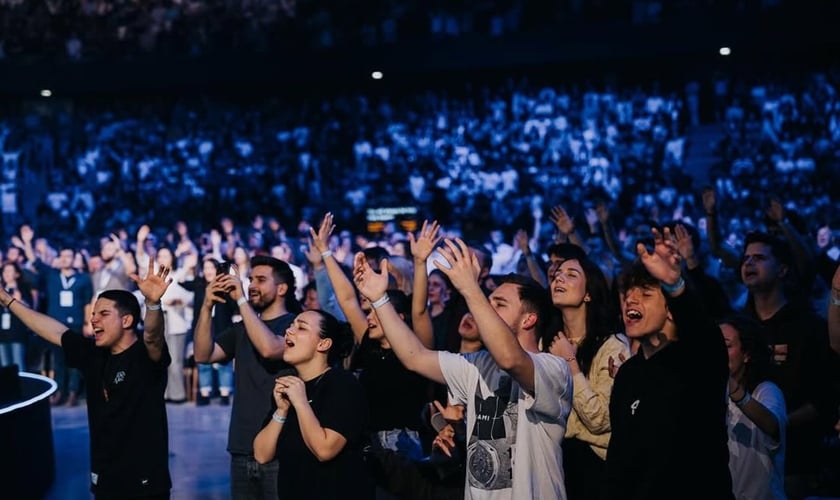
(491, 445)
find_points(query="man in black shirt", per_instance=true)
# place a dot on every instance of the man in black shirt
(129, 445)
(668, 403)
(257, 343)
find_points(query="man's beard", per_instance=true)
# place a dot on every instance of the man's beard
(260, 304)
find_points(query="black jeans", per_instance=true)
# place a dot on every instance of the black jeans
(250, 480)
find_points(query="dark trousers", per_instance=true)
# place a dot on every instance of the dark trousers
(584, 471)
(250, 480)
(159, 496)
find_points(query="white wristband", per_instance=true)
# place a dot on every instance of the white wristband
(277, 418)
(326, 253)
(240, 301)
(376, 304)
(153, 307)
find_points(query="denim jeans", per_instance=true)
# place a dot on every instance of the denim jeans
(205, 377)
(13, 353)
(251, 481)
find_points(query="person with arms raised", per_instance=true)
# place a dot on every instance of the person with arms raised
(517, 398)
(126, 378)
(257, 345)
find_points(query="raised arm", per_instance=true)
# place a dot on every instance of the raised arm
(323, 287)
(421, 247)
(205, 349)
(608, 232)
(405, 344)
(344, 291)
(566, 226)
(523, 243)
(44, 326)
(267, 344)
(140, 254)
(153, 286)
(462, 268)
(728, 258)
(802, 252)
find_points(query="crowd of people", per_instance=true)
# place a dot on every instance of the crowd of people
(64, 30)
(569, 303)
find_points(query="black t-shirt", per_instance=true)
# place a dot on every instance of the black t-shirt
(338, 401)
(253, 381)
(395, 394)
(129, 441)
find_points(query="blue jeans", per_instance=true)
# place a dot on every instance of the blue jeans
(205, 377)
(13, 353)
(68, 379)
(251, 481)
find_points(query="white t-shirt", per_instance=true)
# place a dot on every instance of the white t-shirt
(513, 449)
(756, 461)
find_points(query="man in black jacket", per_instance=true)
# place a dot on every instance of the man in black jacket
(668, 404)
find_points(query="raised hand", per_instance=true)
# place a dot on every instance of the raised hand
(321, 238)
(154, 284)
(312, 254)
(562, 220)
(370, 284)
(614, 366)
(143, 233)
(521, 241)
(602, 211)
(26, 233)
(562, 347)
(424, 244)
(451, 413)
(709, 201)
(776, 212)
(685, 245)
(664, 262)
(460, 264)
(215, 292)
(591, 217)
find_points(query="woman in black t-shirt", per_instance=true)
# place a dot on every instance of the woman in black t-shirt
(317, 429)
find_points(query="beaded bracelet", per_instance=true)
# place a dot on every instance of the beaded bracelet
(376, 304)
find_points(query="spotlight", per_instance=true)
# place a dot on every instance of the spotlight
(725, 51)
(46, 93)
(376, 75)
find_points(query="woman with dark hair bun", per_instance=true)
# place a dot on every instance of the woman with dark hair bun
(317, 429)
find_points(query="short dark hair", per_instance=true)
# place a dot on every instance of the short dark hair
(282, 273)
(778, 247)
(125, 302)
(535, 299)
(566, 251)
(376, 254)
(636, 276)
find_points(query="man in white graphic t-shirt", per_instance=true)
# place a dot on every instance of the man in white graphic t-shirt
(518, 399)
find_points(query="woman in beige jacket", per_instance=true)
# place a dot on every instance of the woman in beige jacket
(588, 341)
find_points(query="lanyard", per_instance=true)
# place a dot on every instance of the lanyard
(67, 283)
